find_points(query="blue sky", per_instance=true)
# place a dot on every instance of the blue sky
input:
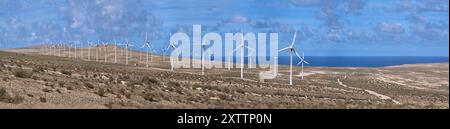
(325, 27)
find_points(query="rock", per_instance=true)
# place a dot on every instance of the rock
(104, 77)
(214, 98)
(46, 90)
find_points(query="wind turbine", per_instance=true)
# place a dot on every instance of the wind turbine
(59, 48)
(74, 45)
(242, 46)
(68, 46)
(81, 50)
(105, 44)
(96, 50)
(171, 46)
(115, 51)
(292, 50)
(164, 50)
(203, 50)
(90, 45)
(127, 44)
(149, 47)
(302, 60)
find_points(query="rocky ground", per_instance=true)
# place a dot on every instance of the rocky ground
(30, 80)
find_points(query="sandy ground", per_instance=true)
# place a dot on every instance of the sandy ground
(31, 78)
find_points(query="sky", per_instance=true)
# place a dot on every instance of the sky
(324, 27)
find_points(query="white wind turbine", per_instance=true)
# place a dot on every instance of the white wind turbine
(127, 44)
(105, 45)
(90, 45)
(292, 50)
(115, 51)
(81, 50)
(59, 48)
(149, 47)
(202, 52)
(74, 45)
(171, 46)
(52, 49)
(242, 46)
(302, 61)
(69, 45)
(77, 47)
(96, 50)
(164, 50)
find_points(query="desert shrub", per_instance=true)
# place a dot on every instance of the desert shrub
(124, 77)
(35, 78)
(174, 84)
(42, 99)
(8, 98)
(5, 79)
(23, 73)
(65, 72)
(149, 81)
(46, 90)
(101, 92)
(61, 84)
(70, 88)
(153, 96)
(88, 85)
(38, 69)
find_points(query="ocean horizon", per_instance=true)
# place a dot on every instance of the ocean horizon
(361, 61)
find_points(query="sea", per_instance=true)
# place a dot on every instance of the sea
(362, 61)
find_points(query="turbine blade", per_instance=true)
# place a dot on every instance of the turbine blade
(235, 50)
(293, 40)
(298, 55)
(284, 49)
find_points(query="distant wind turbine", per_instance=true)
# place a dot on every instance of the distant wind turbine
(149, 47)
(302, 60)
(105, 45)
(127, 44)
(171, 46)
(203, 51)
(96, 50)
(115, 51)
(242, 46)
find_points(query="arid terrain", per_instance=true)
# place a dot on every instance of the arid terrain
(30, 78)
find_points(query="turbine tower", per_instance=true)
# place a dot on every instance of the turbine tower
(242, 46)
(90, 45)
(292, 50)
(127, 44)
(105, 44)
(115, 51)
(171, 46)
(68, 46)
(149, 47)
(96, 50)
(203, 51)
(302, 61)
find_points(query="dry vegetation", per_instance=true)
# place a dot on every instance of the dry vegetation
(32, 81)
